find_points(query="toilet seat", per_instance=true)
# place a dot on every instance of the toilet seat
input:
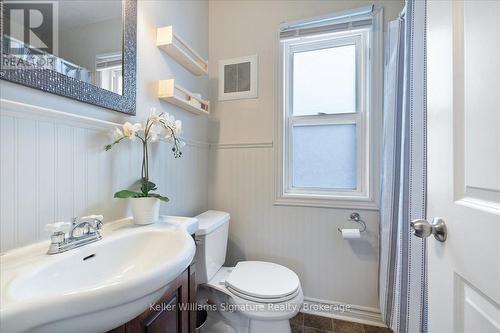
(265, 310)
(255, 308)
(263, 300)
(263, 282)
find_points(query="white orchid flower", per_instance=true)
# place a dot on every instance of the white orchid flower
(172, 120)
(154, 128)
(154, 133)
(117, 134)
(168, 119)
(155, 118)
(129, 129)
(178, 127)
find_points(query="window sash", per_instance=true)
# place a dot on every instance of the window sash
(340, 119)
(290, 47)
(313, 45)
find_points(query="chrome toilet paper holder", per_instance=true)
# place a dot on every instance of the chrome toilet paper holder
(355, 217)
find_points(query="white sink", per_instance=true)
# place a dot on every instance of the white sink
(98, 286)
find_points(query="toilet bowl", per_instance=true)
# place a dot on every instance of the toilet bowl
(253, 296)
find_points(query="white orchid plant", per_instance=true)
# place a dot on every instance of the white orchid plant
(157, 127)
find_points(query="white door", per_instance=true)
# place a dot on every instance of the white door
(463, 75)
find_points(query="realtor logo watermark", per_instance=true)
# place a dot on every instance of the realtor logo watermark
(30, 34)
(254, 307)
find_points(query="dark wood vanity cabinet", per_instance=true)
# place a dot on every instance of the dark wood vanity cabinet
(166, 315)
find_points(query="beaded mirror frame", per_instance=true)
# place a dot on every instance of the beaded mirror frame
(56, 83)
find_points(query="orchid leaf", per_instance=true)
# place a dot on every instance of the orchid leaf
(128, 194)
(161, 197)
(147, 186)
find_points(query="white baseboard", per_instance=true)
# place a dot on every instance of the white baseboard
(342, 311)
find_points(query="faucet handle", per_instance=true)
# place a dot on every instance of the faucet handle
(95, 220)
(58, 227)
(96, 217)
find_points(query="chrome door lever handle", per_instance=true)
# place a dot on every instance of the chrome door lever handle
(423, 229)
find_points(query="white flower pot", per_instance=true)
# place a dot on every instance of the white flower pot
(145, 210)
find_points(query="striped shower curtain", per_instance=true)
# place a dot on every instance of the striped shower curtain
(402, 278)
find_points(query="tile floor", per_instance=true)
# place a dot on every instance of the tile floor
(306, 323)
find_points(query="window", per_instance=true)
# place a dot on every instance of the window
(327, 140)
(108, 72)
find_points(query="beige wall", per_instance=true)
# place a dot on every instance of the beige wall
(240, 28)
(242, 177)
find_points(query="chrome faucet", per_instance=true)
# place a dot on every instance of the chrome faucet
(82, 231)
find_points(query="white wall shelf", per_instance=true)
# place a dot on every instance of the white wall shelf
(171, 92)
(178, 49)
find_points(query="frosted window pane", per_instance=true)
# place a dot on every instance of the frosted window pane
(324, 156)
(324, 81)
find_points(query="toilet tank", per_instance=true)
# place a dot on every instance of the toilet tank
(211, 244)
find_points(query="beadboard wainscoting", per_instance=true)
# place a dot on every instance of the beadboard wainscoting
(305, 239)
(54, 167)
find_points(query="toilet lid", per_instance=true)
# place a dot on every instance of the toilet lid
(263, 280)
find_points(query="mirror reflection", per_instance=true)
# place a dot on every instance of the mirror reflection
(88, 41)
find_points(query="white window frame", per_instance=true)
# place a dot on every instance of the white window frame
(369, 80)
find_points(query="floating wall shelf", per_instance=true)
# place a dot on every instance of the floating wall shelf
(178, 49)
(170, 92)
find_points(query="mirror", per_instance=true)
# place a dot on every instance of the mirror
(90, 42)
(76, 48)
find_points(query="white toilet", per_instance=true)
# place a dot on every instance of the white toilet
(253, 296)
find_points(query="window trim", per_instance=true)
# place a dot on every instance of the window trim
(367, 121)
(356, 118)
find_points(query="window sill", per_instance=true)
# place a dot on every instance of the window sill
(313, 201)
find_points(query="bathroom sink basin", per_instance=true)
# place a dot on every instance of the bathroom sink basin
(96, 287)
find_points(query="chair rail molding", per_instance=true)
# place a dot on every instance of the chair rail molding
(242, 145)
(24, 110)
